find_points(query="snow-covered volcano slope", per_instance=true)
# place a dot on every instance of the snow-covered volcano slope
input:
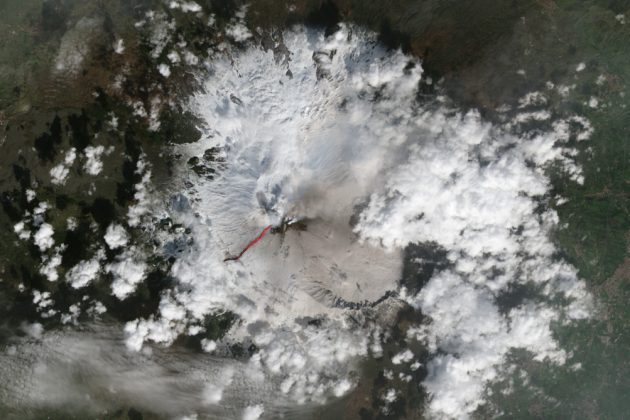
(333, 135)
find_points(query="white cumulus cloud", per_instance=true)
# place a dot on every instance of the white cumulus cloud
(355, 145)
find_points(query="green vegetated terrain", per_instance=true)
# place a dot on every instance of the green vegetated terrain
(45, 114)
(18, 46)
(598, 213)
(548, 45)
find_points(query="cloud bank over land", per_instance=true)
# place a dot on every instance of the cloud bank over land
(332, 136)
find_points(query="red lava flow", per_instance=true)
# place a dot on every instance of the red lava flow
(249, 245)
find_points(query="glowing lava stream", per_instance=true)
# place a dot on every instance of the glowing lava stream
(372, 171)
(249, 245)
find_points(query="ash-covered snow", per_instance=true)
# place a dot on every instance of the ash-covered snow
(75, 46)
(355, 138)
(336, 139)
